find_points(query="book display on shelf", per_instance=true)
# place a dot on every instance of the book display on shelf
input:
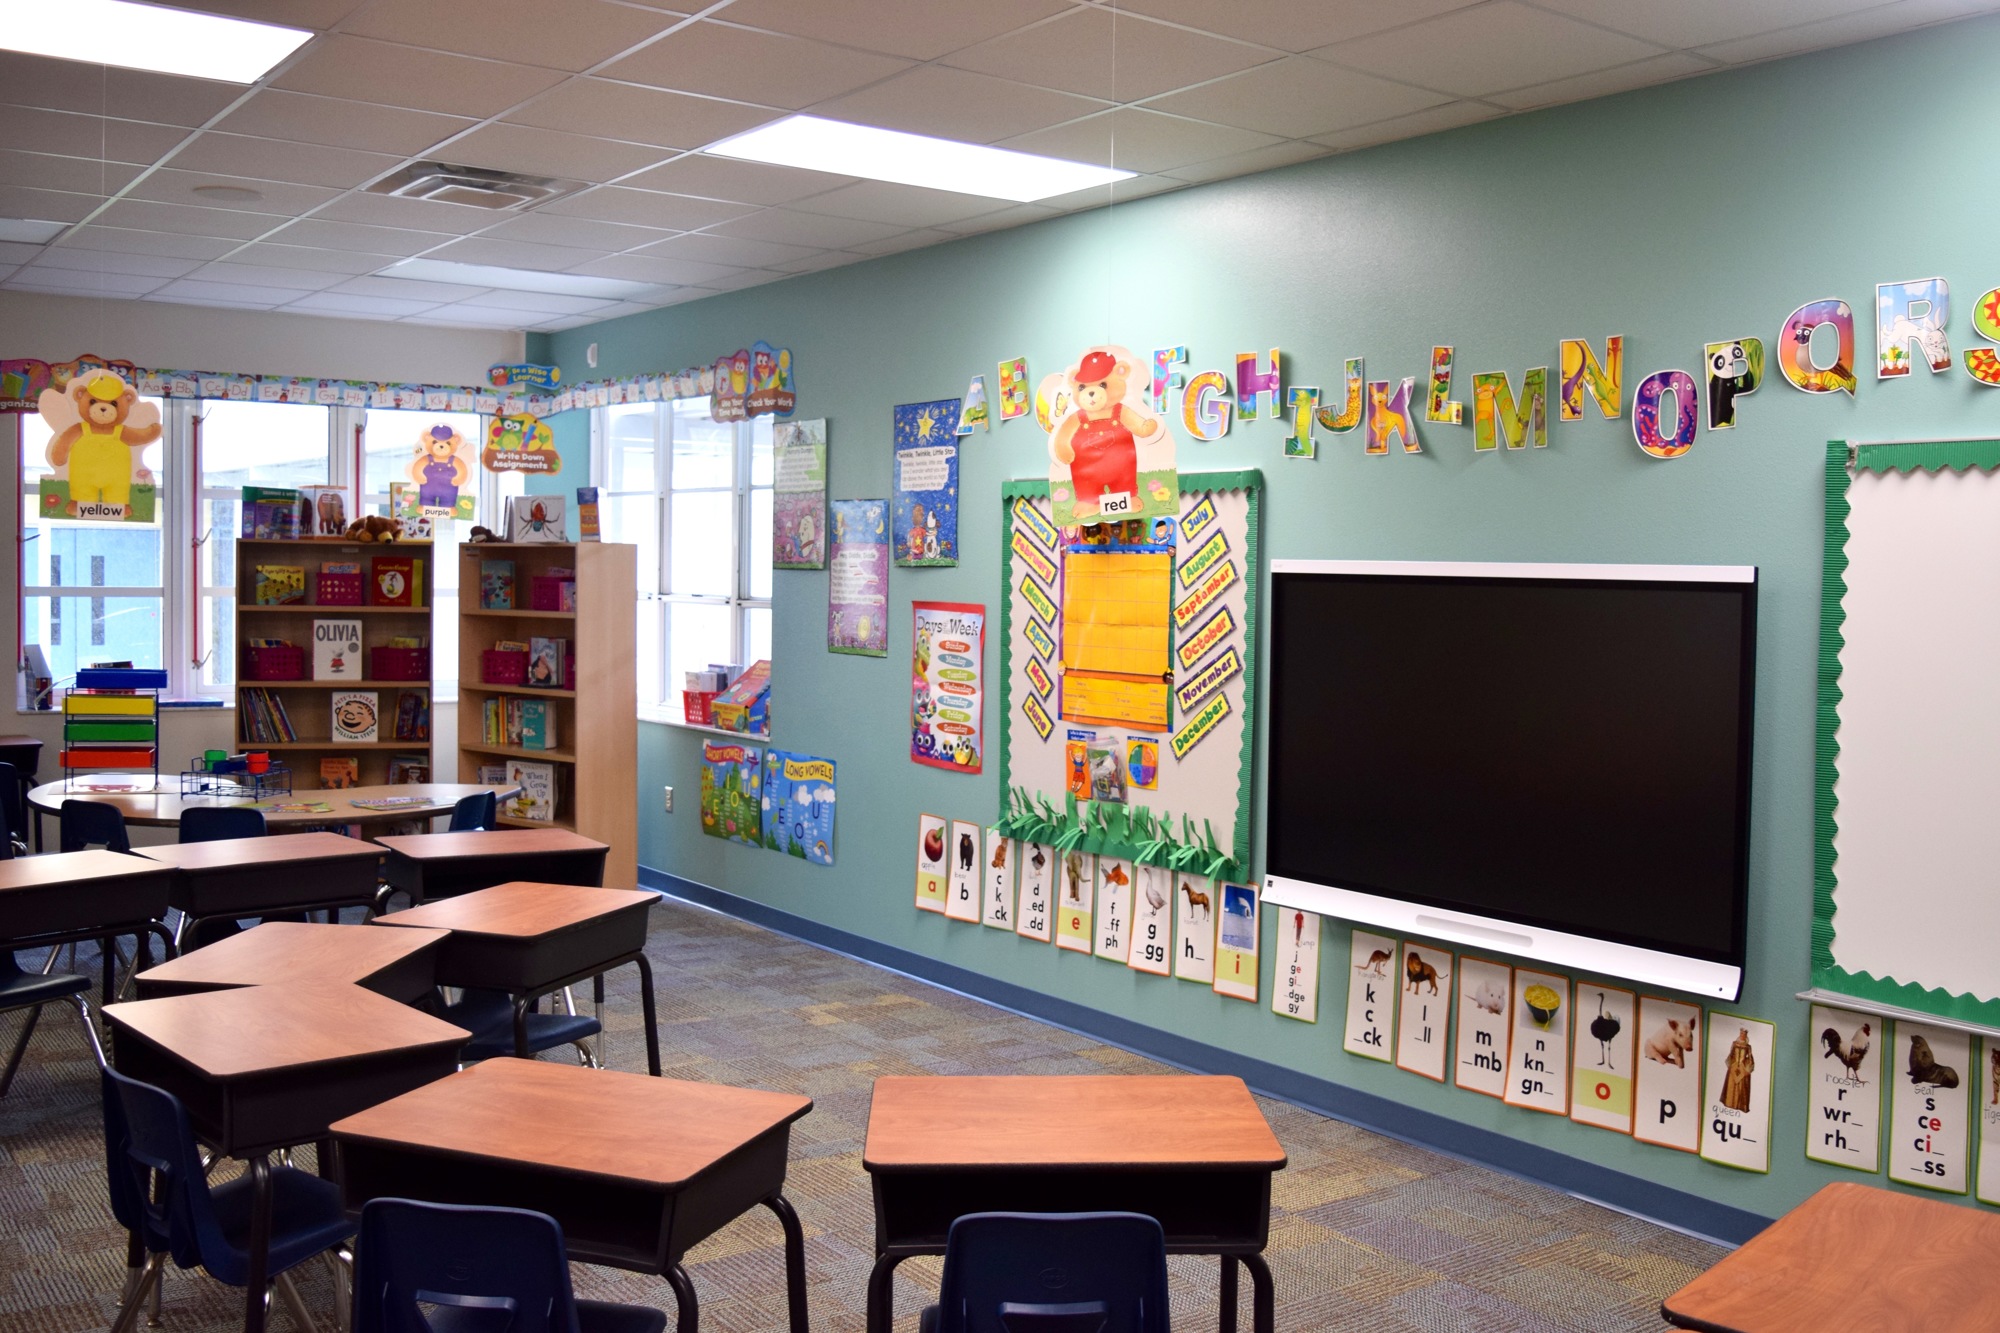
(337, 649)
(356, 717)
(545, 683)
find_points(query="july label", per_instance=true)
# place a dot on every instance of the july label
(1485, 999)
(1114, 909)
(1152, 920)
(962, 887)
(1844, 1117)
(1600, 1091)
(997, 903)
(1930, 1139)
(1736, 1094)
(1194, 929)
(1037, 874)
(1667, 1096)
(1538, 1062)
(1423, 1015)
(1371, 996)
(1295, 983)
(1076, 889)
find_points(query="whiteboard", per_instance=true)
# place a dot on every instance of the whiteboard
(1908, 909)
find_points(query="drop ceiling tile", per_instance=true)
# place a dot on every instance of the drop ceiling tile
(110, 261)
(811, 230)
(1013, 215)
(1882, 21)
(576, 321)
(318, 15)
(299, 280)
(338, 122)
(1290, 25)
(734, 251)
(13, 254)
(1118, 192)
(168, 186)
(749, 277)
(536, 152)
(149, 216)
(1243, 164)
(76, 282)
(917, 29)
(124, 240)
(1297, 97)
(383, 307)
(46, 205)
(406, 289)
(743, 182)
(382, 210)
(616, 310)
(772, 70)
(74, 175)
(472, 316)
(278, 255)
(958, 104)
(1487, 48)
(639, 114)
(1447, 117)
(196, 289)
(1620, 78)
(62, 85)
(560, 34)
(654, 269)
(515, 254)
(220, 305)
(553, 303)
(368, 71)
(889, 245)
(73, 135)
(1074, 54)
(827, 259)
(1703, 22)
(277, 160)
(583, 233)
(322, 235)
(1137, 140)
(903, 205)
(645, 208)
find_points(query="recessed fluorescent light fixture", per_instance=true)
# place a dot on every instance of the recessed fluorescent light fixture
(30, 231)
(521, 279)
(913, 159)
(163, 41)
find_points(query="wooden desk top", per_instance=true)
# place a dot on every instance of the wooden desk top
(293, 953)
(231, 1034)
(654, 1131)
(488, 842)
(1097, 1121)
(1854, 1257)
(142, 803)
(275, 848)
(520, 910)
(38, 872)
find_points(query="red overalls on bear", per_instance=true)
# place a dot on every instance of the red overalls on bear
(1107, 458)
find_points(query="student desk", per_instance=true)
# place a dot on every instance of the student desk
(266, 1067)
(158, 805)
(1192, 1151)
(1854, 1257)
(532, 940)
(635, 1169)
(442, 865)
(285, 872)
(297, 953)
(69, 896)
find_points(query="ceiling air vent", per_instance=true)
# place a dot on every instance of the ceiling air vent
(443, 183)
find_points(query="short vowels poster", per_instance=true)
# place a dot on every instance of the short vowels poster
(947, 647)
(858, 593)
(926, 498)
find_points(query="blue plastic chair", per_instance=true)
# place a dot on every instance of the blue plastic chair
(32, 990)
(212, 823)
(92, 824)
(489, 1016)
(1052, 1273)
(474, 812)
(14, 805)
(480, 1270)
(160, 1193)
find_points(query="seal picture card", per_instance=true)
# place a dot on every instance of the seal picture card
(1989, 1123)
(996, 904)
(1371, 1001)
(1606, 1046)
(1194, 928)
(1037, 911)
(1114, 909)
(1152, 920)
(1538, 1047)
(1737, 1092)
(1076, 892)
(1667, 1092)
(1237, 942)
(962, 879)
(1295, 979)
(1423, 1018)
(1844, 1115)
(1930, 1145)
(931, 874)
(1485, 1004)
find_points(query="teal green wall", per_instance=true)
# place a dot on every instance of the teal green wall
(1699, 211)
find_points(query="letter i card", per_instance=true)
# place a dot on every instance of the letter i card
(962, 883)
(1600, 1086)
(1667, 1092)
(1295, 981)
(1538, 1059)
(1736, 1094)
(1423, 1020)
(930, 863)
(1930, 1137)
(1371, 996)
(1236, 943)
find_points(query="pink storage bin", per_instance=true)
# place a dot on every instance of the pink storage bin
(498, 668)
(339, 590)
(282, 663)
(399, 663)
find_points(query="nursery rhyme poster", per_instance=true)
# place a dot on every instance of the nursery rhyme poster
(858, 593)
(946, 694)
(798, 527)
(926, 483)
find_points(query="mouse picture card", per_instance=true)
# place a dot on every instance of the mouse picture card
(1485, 1002)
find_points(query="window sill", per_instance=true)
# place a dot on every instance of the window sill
(666, 719)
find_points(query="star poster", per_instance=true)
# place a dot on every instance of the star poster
(926, 499)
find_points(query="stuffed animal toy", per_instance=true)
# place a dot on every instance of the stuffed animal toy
(371, 528)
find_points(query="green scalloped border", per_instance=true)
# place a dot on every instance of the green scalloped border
(1931, 456)
(1251, 482)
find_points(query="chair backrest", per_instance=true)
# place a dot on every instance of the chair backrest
(158, 1188)
(1054, 1273)
(494, 1268)
(11, 809)
(211, 823)
(474, 812)
(93, 824)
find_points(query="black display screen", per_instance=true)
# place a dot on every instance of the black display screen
(1565, 753)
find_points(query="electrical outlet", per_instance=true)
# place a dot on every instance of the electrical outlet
(670, 800)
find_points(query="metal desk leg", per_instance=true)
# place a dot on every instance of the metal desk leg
(521, 1003)
(689, 1318)
(1227, 1318)
(882, 1293)
(652, 1020)
(255, 1293)
(795, 1260)
(1263, 1298)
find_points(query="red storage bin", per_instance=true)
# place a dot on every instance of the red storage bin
(281, 663)
(340, 590)
(399, 663)
(695, 705)
(545, 592)
(497, 668)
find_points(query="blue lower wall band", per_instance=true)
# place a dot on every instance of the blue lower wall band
(1615, 1189)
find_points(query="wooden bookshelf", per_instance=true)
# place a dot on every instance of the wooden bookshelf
(596, 795)
(308, 704)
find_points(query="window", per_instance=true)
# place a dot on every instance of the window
(694, 495)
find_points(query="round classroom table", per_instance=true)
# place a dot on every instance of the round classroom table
(151, 804)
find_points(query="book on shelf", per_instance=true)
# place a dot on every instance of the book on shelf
(413, 716)
(586, 513)
(279, 585)
(509, 646)
(322, 511)
(337, 650)
(396, 580)
(493, 775)
(545, 663)
(340, 566)
(263, 719)
(537, 518)
(538, 724)
(270, 511)
(408, 768)
(340, 773)
(536, 801)
(355, 717)
(496, 585)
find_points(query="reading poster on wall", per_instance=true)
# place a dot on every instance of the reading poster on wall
(798, 525)
(857, 608)
(926, 483)
(947, 649)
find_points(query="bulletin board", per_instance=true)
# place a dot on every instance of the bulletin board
(1907, 854)
(1142, 638)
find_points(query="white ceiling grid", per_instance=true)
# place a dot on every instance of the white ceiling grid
(623, 96)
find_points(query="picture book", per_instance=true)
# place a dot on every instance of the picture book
(493, 775)
(340, 773)
(354, 717)
(732, 782)
(536, 518)
(294, 807)
(390, 802)
(538, 724)
(322, 511)
(407, 768)
(270, 511)
(798, 801)
(413, 716)
(496, 585)
(744, 706)
(337, 650)
(545, 663)
(340, 566)
(536, 800)
(586, 513)
(278, 585)
(393, 580)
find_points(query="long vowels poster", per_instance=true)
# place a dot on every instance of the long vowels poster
(947, 648)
